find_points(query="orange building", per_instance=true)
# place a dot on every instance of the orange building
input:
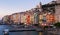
(48, 13)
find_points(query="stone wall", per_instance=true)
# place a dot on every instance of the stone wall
(57, 13)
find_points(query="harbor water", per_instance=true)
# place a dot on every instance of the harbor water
(2, 27)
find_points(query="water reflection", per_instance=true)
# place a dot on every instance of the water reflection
(2, 27)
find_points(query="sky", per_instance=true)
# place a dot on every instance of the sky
(8, 7)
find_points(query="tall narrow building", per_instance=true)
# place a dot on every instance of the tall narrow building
(38, 9)
(57, 10)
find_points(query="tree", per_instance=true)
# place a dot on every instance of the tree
(57, 24)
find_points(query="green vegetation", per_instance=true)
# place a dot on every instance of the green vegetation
(46, 27)
(57, 24)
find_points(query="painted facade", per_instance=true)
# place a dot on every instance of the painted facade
(43, 14)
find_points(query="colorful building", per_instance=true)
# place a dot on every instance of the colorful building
(42, 14)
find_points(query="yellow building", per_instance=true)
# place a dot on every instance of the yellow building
(15, 18)
(23, 17)
(40, 19)
(44, 17)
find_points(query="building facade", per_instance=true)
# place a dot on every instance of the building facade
(42, 14)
